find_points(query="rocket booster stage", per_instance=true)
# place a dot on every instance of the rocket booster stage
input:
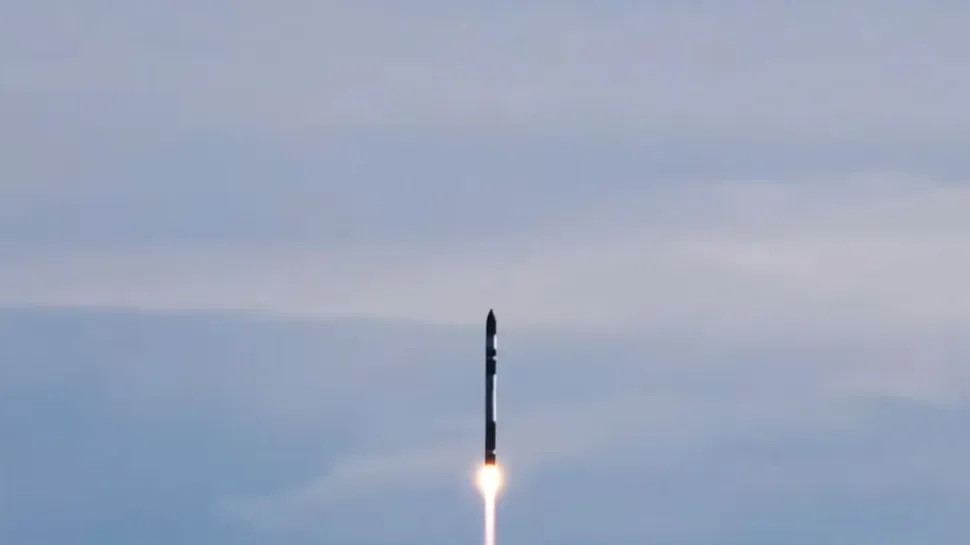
(490, 351)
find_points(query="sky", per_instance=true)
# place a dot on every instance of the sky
(248, 248)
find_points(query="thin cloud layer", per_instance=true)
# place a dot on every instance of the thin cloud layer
(828, 68)
(739, 258)
(304, 438)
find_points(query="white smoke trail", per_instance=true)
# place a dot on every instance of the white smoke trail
(489, 519)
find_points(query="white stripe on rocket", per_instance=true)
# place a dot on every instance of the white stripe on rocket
(494, 398)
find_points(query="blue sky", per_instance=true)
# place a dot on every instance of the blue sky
(247, 250)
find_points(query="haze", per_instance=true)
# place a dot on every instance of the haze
(247, 249)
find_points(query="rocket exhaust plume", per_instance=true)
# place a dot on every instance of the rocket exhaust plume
(490, 476)
(489, 482)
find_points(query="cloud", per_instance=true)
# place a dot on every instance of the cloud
(303, 432)
(740, 258)
(869, 263)
(358, 125)
(555, 436)
(707, 229)
(826, 70)
(739, 217)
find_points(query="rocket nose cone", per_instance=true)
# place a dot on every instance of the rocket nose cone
(490, 325)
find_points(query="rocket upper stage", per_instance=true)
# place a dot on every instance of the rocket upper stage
(491, 332)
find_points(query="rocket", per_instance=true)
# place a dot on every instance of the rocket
(490, 350)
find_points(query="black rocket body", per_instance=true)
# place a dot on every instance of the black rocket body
(491, 332)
